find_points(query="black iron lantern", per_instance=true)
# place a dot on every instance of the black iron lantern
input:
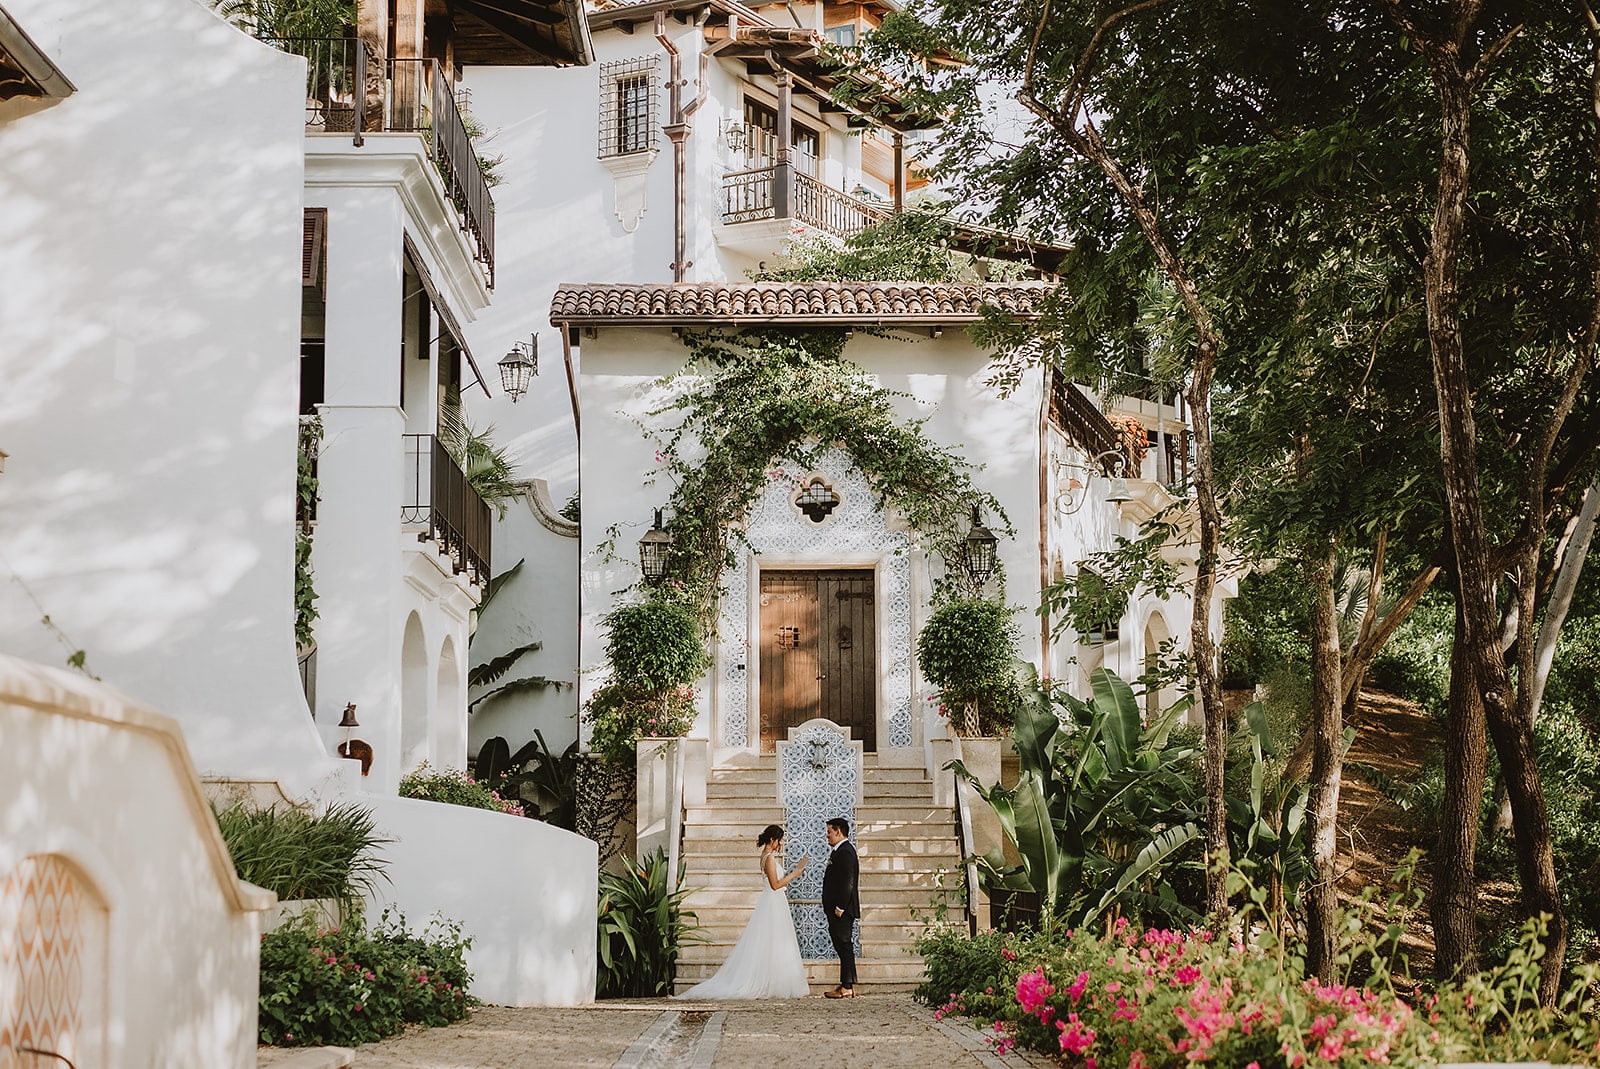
(519, 366)
(978, 550)
(653, 550)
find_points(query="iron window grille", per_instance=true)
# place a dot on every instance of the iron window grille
(628, 106)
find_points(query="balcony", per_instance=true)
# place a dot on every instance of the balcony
(399, 96)
(446, 507)
(780, 192)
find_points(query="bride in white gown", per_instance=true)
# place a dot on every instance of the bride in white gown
(765, 963)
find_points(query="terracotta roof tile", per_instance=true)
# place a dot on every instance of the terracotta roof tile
(793, 302)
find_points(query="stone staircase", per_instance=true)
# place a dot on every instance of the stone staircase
(903, 839)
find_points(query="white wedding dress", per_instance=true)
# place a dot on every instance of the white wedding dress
(765, 962)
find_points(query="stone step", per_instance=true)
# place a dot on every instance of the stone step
(719, 911)
(875, 931)
(750, 882)
(738, 900)
(872, 860)
(870, 971)
(766, 793)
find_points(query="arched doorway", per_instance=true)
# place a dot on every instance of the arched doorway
(414, 693)
(449, 710)
(1156, 632)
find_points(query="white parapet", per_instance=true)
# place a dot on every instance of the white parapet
(524, 891)
(121, 919)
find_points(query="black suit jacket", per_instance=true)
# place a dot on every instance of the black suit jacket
(841, 882)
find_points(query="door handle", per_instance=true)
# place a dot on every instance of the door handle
(823, 675)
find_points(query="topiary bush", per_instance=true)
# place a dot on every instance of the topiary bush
(655, 645)
(453, 786)
(350, 985)
(968, 650)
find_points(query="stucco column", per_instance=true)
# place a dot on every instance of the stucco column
(356, 553)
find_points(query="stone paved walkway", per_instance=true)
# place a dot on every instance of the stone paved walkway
(870, 1032)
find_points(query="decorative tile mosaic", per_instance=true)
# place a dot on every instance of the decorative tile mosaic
(855, 528)
(42, 905)
(817, 780)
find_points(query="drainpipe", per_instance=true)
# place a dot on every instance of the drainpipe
(677, 131)
(899, 172)
(1046, 390)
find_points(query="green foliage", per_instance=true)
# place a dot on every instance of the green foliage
(1266, 626)
(1132, 998)
(911, 246)
(486, 465)
(295, 853)
(655, 645)
(1267, 826)
(620, 715)
(572, 511)
(752, 403)
(306, 493)
(642, 927)
(453, 786)
(542, 782)
(1416, 662)
(968, 650)
(281, 19)
(1100, 810)
(352, 985)
(1096, 598)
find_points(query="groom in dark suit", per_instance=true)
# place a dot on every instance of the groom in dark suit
(841, 901)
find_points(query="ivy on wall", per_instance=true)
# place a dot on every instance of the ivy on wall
(751, 398)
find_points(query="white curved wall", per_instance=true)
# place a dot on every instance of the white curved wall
(525, 891)
(152, 231)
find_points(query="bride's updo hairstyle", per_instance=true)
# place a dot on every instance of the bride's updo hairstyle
(771, 834)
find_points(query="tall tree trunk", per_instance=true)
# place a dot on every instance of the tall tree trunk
(1076, 128)
(1454, 906)
(1513, 737)
(1327, 764)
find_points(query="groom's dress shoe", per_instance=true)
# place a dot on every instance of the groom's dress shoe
(840, 992)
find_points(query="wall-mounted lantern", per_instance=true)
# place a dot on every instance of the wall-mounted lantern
(978, 550)
(519, 366)
(653, 550)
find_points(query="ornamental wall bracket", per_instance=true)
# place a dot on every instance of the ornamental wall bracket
(629, 181)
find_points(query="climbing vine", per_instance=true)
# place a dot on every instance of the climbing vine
(750, 400)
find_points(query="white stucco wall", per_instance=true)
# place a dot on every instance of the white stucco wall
(171, 937)
(523, 890)
(539, 605)
(944, 379)
(152, 231)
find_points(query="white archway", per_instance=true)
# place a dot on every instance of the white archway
(1156, 632)
(449, 709)
(414, 694)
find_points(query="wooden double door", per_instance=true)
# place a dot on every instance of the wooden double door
(819, 652)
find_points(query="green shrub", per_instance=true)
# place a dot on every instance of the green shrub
(453, 786)
(1267, 627)
(352, 985)
(619, 716)
(655, 646)
(298, 854)
(1416, 662)
(641, 928)
(1130, 998)
(968, 650)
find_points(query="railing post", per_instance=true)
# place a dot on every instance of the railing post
(783, 171)
(360, 90)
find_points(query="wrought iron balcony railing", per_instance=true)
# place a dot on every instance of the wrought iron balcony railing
(349, 91)
(448, 509)
(781, 192)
